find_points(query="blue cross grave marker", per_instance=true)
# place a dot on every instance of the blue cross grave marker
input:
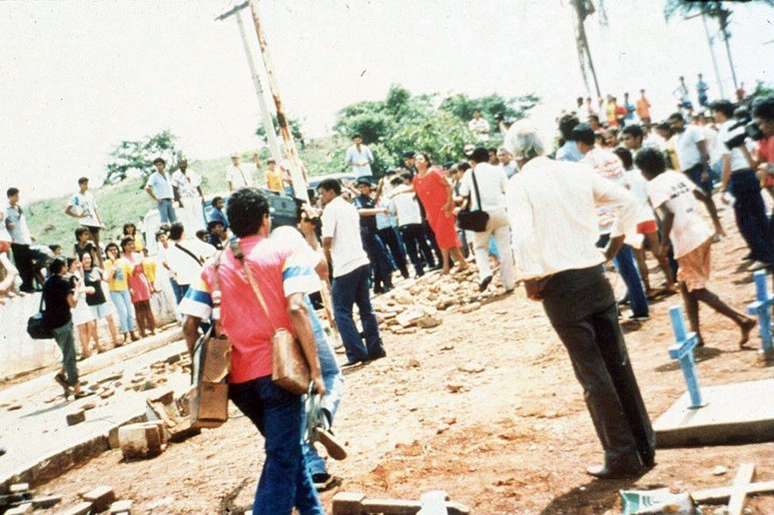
(683, 352)
(762, 309)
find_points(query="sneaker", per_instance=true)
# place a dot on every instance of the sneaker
(334, 448)
(640, 318)
(485, 283)
(757, 265)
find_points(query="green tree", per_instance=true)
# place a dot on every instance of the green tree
(492, 107)
(714, 9)
(136, 157)
(295, 130)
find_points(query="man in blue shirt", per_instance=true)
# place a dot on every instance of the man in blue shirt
(160, 190)
(217, 214)
(569, 150)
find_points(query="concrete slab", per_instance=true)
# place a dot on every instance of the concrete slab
(41, 445)
(735, 413)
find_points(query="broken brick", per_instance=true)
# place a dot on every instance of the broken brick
(122, 507)
(100, 497)
(76, 417)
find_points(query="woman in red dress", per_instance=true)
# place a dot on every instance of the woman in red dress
(435, 193)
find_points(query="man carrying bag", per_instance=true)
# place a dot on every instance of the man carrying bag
(253, 324)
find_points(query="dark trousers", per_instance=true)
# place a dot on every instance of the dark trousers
(285, 481)
(348, 290)
(380, 260)
(581, 307)
(391, 240)
(415, 239)
(750, 212)
(22, 256)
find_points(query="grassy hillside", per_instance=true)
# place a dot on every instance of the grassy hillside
(128, 202)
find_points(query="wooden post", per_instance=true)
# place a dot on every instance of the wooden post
(297, 171)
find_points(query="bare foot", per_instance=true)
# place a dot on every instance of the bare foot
(747, 328)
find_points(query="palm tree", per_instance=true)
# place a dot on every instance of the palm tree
(712, 9)
(584, 8)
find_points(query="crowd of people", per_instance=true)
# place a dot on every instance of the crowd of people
(618, 186)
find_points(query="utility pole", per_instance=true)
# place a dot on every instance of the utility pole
(297, 170)
(268, 126)
(712, 54)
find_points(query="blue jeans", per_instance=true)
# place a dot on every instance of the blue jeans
(167, 211)
(750, 211)
(123, 303)
(627, 267)
(348, 290)
(379, 258)
(285, 482)
(334, 388)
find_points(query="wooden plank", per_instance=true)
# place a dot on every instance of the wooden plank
(722, 494)
(744, 477)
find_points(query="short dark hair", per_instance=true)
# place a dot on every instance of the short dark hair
(330, 185)
(583, 133)
(11, 192)
(357, 135)
(112, 245)
(406, 176)
(54, 247)
(397, 180)
(56, 266)
(723, 106)
(463, 166)
(83, 180)
(126, 241)
(676, 116)
(159, 234)
(764, 108)
(625, 156)
(70, 262)
(159, 160)
(127, 226)
(634, 130)
(651, 161)
(566, 124)
(408, 155)
(201, 234)
(215, 200)
(480, 155)
(79, 231)
(246, 211)
(594, 117)
(176, 231)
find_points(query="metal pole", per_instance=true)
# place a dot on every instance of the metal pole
(297, 171)
(268, 126)
(712, 53)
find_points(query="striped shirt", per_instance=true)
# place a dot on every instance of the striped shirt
(280, 271)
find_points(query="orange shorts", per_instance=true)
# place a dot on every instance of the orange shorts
(647, 227)
(694, 267)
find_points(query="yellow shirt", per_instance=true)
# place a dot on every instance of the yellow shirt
(274, 180)
(138, 243)
(149, 267)
(121, 270)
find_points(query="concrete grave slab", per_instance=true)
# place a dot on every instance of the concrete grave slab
(734, 413)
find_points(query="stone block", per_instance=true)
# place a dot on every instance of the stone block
(19, 488)
(21, 509)
(82, 508)
(100, 497)
(46, 501)
(142, 440)
(122, 507)
(107, 392)
(348, 503)
(76, 417)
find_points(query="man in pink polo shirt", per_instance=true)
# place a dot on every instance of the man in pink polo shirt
(284, 276)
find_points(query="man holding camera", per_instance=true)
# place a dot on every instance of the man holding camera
(739, 178)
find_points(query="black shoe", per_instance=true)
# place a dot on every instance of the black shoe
(2, 451)
(377, 355)
(354, 363)
(485, 283)
(624, 469)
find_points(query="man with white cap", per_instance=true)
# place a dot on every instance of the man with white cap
(236, 176)
(553, 206)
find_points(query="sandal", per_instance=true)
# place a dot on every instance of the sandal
(60, 378)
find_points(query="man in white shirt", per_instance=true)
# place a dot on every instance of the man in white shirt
(188, 193)
(484, 185)
(506, 161)
(359, 158)
(739, 178)
(552, 207)
(693, 156)
(675, 198)
(236, 176)
(21, 240)
(186, 257)
(83, 207)
(634, 139)
(608, 166)
(344, 250)
(160, 190)
(479, 126)
(405, 207)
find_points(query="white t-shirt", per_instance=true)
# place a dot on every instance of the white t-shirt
(492, 184)
(184, 267)
(238, 177)
(738, 161)
(360, 160)
(714, 146)
(186, 183)
(87, 204)
(341, 221)
(638, 186)
(687, 152)
(675, 191)
(406, 208)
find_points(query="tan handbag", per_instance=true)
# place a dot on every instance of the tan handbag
(290, 369)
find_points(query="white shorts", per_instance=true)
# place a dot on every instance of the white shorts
(102, 310)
